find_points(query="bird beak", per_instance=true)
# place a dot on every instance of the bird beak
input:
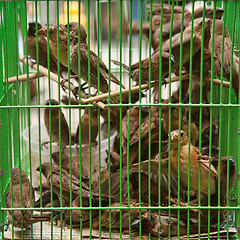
(38, 169)
(174, 135)
(231, 161)
(172, 59)
(43, 32)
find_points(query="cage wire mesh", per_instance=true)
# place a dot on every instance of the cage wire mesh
(136, 138)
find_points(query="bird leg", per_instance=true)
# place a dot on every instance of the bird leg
(62, 84)
(182, 204)
(44, 144)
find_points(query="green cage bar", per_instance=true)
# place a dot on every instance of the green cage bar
(115, 176)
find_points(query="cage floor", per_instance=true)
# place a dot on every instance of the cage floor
(44, 232)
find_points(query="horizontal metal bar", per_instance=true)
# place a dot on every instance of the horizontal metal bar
(142, 207)
(229, 105)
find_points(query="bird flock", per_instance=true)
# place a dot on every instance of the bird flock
(154, 163)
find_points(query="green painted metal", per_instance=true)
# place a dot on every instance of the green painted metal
(15, 111)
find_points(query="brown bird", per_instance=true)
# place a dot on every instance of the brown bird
(42, 50)
(55, 123)
(135, 74)
(134, 187)
(196, 40)
(23, 218)
(56, 179)
(134, 133)
(65, 163)
(217, 52)
(63, 36)
(115, 216)
(78, 215)
(85, 120)
(63, 47)
(194, 167)
(224, 175)
(114, 161)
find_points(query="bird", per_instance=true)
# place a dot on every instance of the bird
(74, 41)
(14, 199)
(217, 53)
(195, 159)
(55, 123)
(143, 170)
(135, 68)
(42, 50)
(224, 174)
(186, 41)
(77, 216)
(88, 115)
(54, 179)
(115, 217)
(75, 163)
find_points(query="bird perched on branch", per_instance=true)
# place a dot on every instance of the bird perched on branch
(186, 41)
(135, 68)
(21, 194)
(74, 41)
(55, 123)
(42, 50)
(227, 51)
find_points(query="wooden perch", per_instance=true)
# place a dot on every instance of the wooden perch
(146, 86)
(133, 90)
(22, 78)
(44, 72)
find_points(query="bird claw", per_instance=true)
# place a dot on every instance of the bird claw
(164, 82)
(62, 84)
(44, 144)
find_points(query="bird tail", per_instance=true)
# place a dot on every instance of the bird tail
(119, 64)
(115, 80)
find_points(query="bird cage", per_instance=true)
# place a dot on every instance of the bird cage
(136, 138)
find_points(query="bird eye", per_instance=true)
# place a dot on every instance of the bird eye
(182, 134)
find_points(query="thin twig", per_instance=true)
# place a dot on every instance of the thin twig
(44, 71)
(133, 90)
(218, 82)
(22, 78)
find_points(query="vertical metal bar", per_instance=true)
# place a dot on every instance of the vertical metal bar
(169, 119)
(99, 135)
(90, 157)
(129, 111)
(140, 115)
(80, 126)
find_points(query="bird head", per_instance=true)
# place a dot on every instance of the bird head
(52, 101)
(45, 169)
(175, 136)
(32, 27)
(53, 33)
(16, 176)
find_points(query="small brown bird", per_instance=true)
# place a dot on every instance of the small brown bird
(224, 175)
(63, 36)
(194, 167)
(42, 50)
(217, 52)
(55, 123)
(78, 215)
(135, 74)
(143, 169)
(115, 216)
(186, 40)
(85, 120)
(23, 218)
(56, 179)
(65, 161)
